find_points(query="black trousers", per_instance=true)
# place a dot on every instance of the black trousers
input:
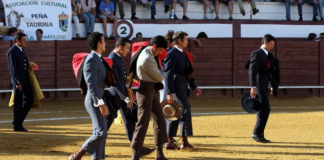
(23, 102)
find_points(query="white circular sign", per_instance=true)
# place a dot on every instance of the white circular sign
(124, 29)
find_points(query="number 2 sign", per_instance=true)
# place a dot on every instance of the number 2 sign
(124, 29)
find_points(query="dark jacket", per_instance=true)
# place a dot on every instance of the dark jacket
(18, 65)
(260, 66)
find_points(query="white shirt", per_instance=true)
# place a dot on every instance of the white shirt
(19, 47)
(265, 51)
(176, 46)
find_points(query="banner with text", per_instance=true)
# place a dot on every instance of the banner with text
(52, 16)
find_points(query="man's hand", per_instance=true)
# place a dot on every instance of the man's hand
(129, 103)
(19, 87)
(170, 99)
(271, 91)
(103, 109)
(253, 93)
(198, 92)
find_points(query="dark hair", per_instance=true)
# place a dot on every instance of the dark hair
(138, 34)
(268, 38)
(122, 42)
(12, 30)
(19, 36)
(202, 35)
(160, 42)
(39, 30)
(169, 35)
(322, 34)
(311, 36)
(93, 39)
(179, 35)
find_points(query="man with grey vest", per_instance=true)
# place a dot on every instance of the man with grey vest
(148, 98)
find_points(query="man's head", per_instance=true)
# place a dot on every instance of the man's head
(21, 39)
(181, 39)
(268, 42)
(12, 31)
(322, 36)
(97, 42)
(311, 36)
(158, 45)
(107, 1)
(202, 35)
(169, 37)
(122, 46)
(39, 34)
(139, 36)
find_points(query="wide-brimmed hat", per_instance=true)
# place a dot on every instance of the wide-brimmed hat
(171, 111)
(249, 104)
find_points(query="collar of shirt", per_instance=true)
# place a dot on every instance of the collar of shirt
(265, 51)
(176, 46)
(149, 49)
(19, 47)
(118, 55)
(99, 55)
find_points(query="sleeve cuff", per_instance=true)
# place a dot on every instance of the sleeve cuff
(100, 102)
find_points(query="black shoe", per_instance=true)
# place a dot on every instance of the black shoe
(185, 17)
(259, 139)
(146, 151)
(152, 17)
(122, 17)
(134, 17)
(255, 11)
(288, 19)
(175, 17)
(20, 129)
(315, 19)
(300, 18)
(243, 12)
(166, 8)
(322, 19)
(230, 18)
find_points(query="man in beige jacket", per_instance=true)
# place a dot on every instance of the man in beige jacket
(148, 98)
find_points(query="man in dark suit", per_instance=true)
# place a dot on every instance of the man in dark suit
(23, 94)
(259, 76)
(178, 72)
(117, 95)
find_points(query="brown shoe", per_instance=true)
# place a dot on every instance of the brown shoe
(186, 146)
(77, 155)
(172, 144)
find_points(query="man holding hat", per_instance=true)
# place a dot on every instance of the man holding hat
(179, 73)
(148, 98)
(259, 76)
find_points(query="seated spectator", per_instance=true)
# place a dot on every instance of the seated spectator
(184, 4)
(229, 3)
(88, 12)
(106, 8)
(320, 9)
(300, 4)
(206, 5)
(150, 4)
(12, 32)
(121, 8)
(321, 36)
(311, 37)
(39, 34)
(138, 37)
(202, 35)
(252, 2)
(75, 11)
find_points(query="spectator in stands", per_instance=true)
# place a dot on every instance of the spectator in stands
(12, 32)
(311, 37)
(138, 37)
(202, 35)
(107, 9)
(252, 2)
(2, 14)
(184, 4)
(229, 3)
(39, 34)
(206, 5)
(321, 36)
(121, 8)
(320, 9)
(75, 11)
(88, 12)
(149, 4)
(300, 8)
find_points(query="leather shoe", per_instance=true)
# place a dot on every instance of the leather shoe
(260, 139)
(146, 151)
(21, 129)
(171, 145)
(187, 147)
